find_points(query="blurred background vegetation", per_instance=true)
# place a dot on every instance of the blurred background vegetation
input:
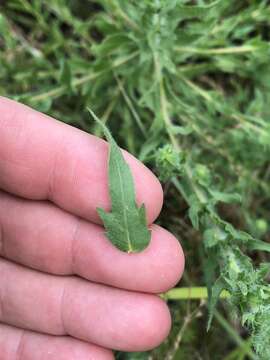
(185, 86)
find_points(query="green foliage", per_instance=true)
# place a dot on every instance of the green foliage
(223, 245)
(168, 162)
(185, 86)
(125, 225)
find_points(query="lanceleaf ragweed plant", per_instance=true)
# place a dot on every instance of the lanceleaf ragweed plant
(223, 246)
(185, 86)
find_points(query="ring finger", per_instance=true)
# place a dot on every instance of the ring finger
(67, 305)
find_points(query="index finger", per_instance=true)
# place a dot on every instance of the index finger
(44, 159)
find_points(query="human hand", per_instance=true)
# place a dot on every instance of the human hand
(66, 292)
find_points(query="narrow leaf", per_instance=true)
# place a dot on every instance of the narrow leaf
(217, 288)
(125, 225)
(260, 245)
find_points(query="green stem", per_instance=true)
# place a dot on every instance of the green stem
(190, 293)
(199, 293)
(168, 125)
(130, 106)
(216, 51)
(233, 334)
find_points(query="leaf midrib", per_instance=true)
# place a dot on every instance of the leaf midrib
(124, 209)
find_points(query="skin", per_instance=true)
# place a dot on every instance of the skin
(65, 290)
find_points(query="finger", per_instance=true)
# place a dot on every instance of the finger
(16, 343)
(102, 315)
(42, 236)
(41, 158)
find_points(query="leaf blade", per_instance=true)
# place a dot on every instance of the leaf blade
(125, 225)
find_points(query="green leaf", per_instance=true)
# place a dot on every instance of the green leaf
(193, 213)
(125, 225)
(224, 197)
(111, 44)
(264, 270)
(181, 130)
(187, 11)
(217, 288)
(260, 245)
(65, 76)
(213, 236)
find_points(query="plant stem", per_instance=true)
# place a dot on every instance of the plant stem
(234, 334)
(130, 106)
(190, 293)
(216, 51)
